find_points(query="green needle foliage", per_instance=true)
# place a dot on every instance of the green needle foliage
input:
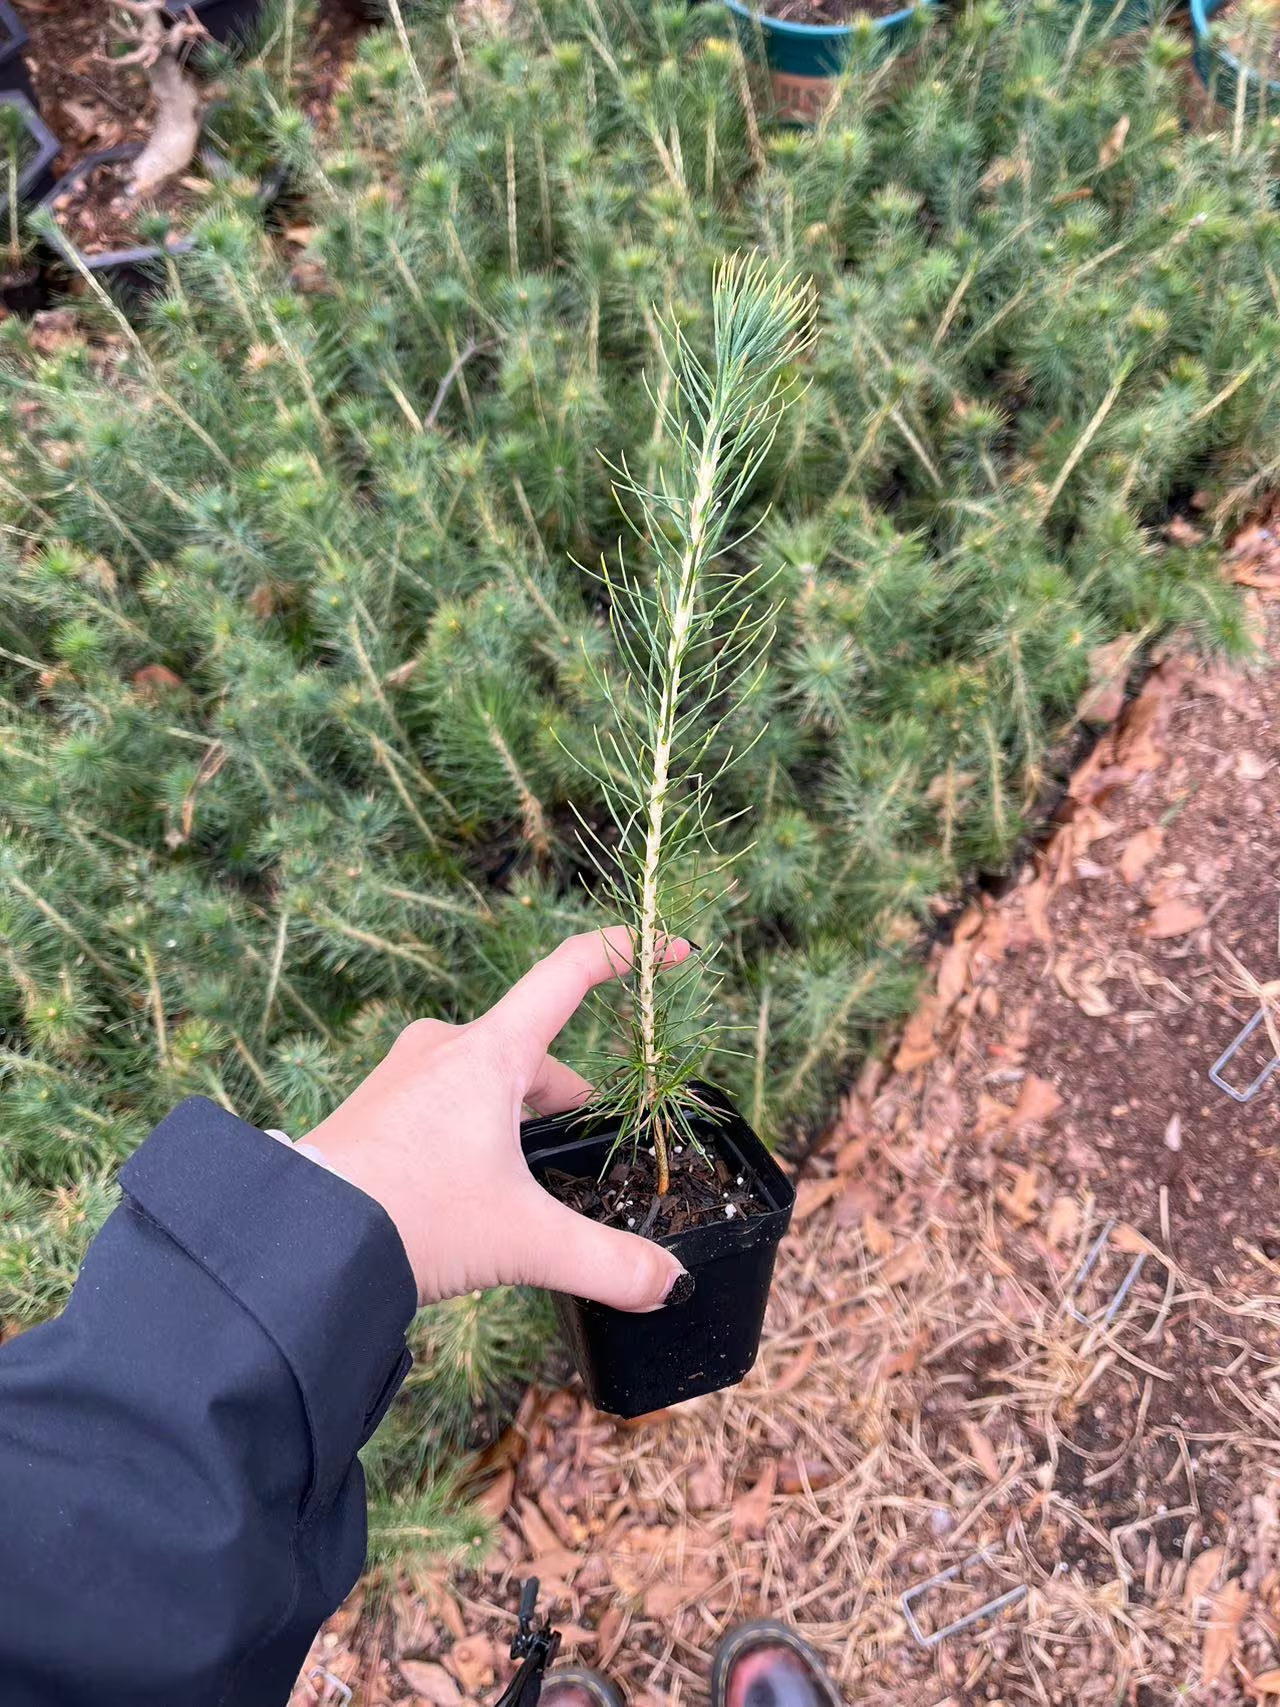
(303, 699)
(690, 641)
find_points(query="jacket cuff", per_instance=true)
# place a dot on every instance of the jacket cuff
(317, 1263)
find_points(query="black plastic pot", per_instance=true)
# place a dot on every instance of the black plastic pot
(14, 76)
(36, 178)
(225, 20)
(631, 1364)
(25, 292)
(129, 274)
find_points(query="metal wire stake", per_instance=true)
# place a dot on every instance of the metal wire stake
(1233, 1048)
(345, 1691)
(1108, 1313)
(988, 1609)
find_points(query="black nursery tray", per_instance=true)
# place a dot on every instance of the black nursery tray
(35, 178)
(15, 78)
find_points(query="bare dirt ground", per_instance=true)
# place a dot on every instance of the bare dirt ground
(937, 1380)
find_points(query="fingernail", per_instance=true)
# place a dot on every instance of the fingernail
(681, 1289)
(696, 947)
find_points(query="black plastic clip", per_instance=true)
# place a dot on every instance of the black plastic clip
(535, 1644)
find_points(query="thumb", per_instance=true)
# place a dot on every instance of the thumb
(568, 1253)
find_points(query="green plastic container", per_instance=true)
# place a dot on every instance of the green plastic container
(804, 60)
(1222, 73)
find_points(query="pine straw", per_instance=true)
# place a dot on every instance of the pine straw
(929, 1466)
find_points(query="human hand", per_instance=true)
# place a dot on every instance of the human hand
(433, 1134)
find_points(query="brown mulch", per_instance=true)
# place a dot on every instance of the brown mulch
(925, 1390)
(88, 99)
(99, 214)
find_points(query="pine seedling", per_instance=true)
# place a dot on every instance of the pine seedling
(690, 640)
(12, 136)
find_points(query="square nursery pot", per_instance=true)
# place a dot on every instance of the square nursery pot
(631, 1364)
(14, 76)
(1223, 74)
(129, 274)
(226, 20)
(35, 179)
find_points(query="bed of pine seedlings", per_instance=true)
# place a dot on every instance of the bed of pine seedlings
(302, 650)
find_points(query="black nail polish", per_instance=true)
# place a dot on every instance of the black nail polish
(681, 1289)
(695, 946)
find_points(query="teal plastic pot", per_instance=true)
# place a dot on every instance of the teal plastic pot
(1133, 15)
(804, 60)
(1222, 73)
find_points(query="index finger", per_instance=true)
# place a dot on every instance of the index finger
(534, 1011)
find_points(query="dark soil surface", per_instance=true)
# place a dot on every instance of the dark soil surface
(87, 98)
(1239, 32)
(703, 1190)
(100, 216)
(830, 11)
(91, 102)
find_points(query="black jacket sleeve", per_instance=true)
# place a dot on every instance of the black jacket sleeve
(180, 1500)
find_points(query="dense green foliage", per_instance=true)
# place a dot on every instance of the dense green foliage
(298, 666)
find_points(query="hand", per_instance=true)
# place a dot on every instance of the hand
(433, 1134)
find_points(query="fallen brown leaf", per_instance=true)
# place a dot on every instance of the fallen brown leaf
(1200, 1574)
(879, 1238)
(1266, 1682)
(538, 1532)
(560, 1562)
(918, 1044)
(1019, 1198)
(796, 1370)
(1173, 919)
(985, 1453)
(1222, 1632)
(662, 1599)
(1037, 1102)
(908, 1261)
(497, 1496)
(1063, 1223)
(704, 1486)
(432, 1682)
(750, 1515)
(1138, 852)
(953, 973)
(811, 1194)
(794, 1473)
(851, 1156)
(1035, 907)
(1103, 699)
(473, 1661)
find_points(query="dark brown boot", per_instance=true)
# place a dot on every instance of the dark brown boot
(574, 1686)
(766, 1664)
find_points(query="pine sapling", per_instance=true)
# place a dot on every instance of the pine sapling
(13, 134)
(690, 641)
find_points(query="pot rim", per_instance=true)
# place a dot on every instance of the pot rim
(140, 254)
(822, 32)
(18, 34)
(1201, 18)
